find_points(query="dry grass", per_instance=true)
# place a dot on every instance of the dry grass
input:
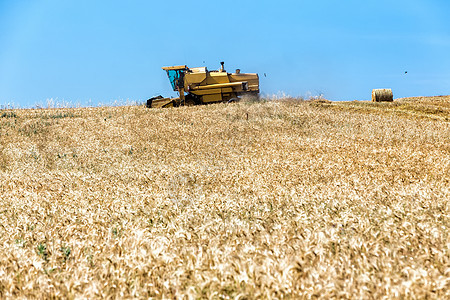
(287, 199)
(437, 108)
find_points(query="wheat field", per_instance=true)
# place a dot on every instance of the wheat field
(275, 199)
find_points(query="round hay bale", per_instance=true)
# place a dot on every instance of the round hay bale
(380, 95)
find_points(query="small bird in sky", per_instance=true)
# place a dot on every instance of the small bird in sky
(406, 72)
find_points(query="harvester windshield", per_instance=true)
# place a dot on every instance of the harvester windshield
(175, 78)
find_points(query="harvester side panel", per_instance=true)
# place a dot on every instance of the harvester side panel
(217, 77)
(251, 78)
(195, 78)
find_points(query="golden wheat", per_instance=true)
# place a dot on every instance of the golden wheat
(282, 199)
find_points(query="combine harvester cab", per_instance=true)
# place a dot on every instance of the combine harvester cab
(197, 86)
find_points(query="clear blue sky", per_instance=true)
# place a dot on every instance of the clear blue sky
(92, 52)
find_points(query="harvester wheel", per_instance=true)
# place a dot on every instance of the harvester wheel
(189, 102)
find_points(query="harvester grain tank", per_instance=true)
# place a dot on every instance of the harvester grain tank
(199, 86)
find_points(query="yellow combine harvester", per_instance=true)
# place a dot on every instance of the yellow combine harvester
(199, 86)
